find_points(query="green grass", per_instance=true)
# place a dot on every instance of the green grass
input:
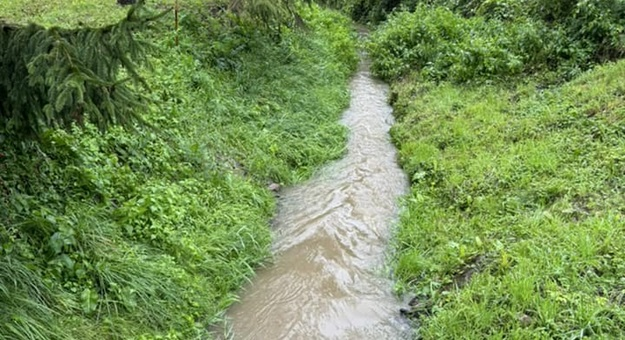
(147, 233)
(77, 13)
(61, 12)
(514, 226)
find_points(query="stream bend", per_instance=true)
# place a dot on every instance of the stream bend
(331, 235)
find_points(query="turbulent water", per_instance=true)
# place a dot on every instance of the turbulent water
(331, 236)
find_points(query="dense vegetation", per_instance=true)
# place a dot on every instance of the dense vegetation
(510, 124)
(507, 39)
(513, 139)
(145, 231)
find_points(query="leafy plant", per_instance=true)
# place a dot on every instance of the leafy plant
(498, 39)
(439, 44)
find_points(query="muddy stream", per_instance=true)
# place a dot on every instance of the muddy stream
(330, 241)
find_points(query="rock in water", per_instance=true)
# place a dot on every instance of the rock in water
(275, 187)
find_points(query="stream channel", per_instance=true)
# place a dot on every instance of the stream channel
(331, 234)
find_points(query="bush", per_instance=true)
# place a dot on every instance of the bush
(599, 24)
(439, 44)
(478, 40)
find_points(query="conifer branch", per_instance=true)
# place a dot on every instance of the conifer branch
(56, 77)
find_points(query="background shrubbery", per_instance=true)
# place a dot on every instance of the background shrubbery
(489, 40)
(442, 45)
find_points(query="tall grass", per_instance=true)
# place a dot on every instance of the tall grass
(148, 232)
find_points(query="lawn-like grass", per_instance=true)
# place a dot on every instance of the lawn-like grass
(70, 13)
(84, 13)
(514, 227)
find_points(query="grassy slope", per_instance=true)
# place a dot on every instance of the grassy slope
(514, 227)
(148, 233)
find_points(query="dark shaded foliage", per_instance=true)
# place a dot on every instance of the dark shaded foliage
(126, 2)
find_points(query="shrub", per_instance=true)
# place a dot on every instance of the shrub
(439, 44)
(475, 40)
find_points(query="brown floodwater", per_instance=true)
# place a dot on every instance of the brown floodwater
(328, 278)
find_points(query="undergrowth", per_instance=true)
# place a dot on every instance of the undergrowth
(147, 232)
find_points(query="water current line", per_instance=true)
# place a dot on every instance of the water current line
(331, 236)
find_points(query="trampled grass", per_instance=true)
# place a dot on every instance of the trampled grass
(514, 228)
